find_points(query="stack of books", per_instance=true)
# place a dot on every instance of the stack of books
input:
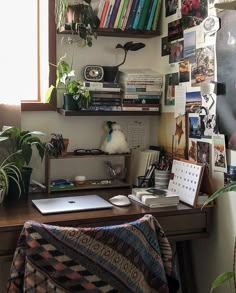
(153, 197)
(141, 15)
(141, 89)
(106, 96)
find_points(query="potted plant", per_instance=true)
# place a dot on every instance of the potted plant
(18, 145)
(76, 96)
(226, 276)
(9, 171)
(110, 72)
(79, 18)
(57, 145)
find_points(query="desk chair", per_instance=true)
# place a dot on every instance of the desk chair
(132, 257)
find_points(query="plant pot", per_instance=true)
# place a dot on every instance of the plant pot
(2, 195)
(66, 143)
(26, 176)
(110, 73)
(70, 103)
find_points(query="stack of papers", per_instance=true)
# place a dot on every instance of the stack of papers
(153, 197)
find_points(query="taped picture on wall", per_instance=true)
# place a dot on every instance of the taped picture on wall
(176, 52)
(192, 152)
(219, 153)
(194, 125)
(171, 80)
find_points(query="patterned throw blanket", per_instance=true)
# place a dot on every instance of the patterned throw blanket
(133, 257)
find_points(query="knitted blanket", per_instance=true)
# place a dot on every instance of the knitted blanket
(133, 257)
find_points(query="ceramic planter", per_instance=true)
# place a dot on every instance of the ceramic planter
(70, 103)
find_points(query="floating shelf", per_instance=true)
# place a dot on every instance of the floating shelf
(107, 113)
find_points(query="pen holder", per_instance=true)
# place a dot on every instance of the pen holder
(144, 182)
(162, 179)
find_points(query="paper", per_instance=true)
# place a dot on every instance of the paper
(136, 134)
(180, 100)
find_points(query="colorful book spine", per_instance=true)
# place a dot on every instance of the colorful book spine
(118, 13)
(100, 85)
(142, 88)
(126, 3)
(100, 8)
(138, 14)
(140, 97)
(127, 15)
(146, 95)
(144, 14)
(128, 108)
(109, 13)
(151, 15)
(156, 16)
(141, 101)
(104, 12)
(132, 14)
(113, 14)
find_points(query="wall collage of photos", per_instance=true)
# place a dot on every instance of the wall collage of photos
(191, 86)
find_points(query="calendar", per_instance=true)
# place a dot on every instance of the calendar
(187, 180)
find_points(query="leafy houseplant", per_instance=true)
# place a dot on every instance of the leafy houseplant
(75, 93)
(57, 145)
(226, 276)
(110, 72)
(79, 18)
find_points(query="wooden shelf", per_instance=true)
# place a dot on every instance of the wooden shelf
(70, 155)
(117, 33)
(107, 113)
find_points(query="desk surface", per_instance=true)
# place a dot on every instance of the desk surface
(179, 223)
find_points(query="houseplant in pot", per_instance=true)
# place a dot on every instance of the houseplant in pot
(110, 72)
(19, 146)
(79, 18)
(76, 96)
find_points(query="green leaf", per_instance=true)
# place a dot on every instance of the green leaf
(221, 191)
(221, 279)
(49, 93)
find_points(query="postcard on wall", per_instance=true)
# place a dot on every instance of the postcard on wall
(180, 100)
(175, 30)
(184, 71)
(193, 101)
(190, 46)
(203, 152)
(194, 125)
(171, 7)
(171, 80)
(230, 176)
(208, 125)
(176, 52)
(219, 153)
(209, 102)
(203, 69)
(165, 46)
(192, 150)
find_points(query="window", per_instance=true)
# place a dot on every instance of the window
(29, 38)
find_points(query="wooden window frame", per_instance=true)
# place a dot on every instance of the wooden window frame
(52, 106)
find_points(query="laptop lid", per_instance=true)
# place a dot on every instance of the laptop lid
(70, 204)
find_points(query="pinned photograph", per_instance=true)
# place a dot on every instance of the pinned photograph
(171, 7)
(184, 71)
(192, 151)
(193, 101)
(194, 125)
(176, 52)
(190, 46)
(203, 153)
(165, 46)
(171, 80)
(230, 176)
(175, 30)
(208, 125)
(219, 153)
(204, 68)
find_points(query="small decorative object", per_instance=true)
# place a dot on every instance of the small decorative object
(115, 170)
(76, 96)
(93, 73)
(115, 142)
(57, 145)
(110, 72)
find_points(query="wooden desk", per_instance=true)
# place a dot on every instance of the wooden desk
(180, 224)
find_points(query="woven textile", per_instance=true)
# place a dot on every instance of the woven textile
(133, 257)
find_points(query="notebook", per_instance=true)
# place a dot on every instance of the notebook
(70, 204)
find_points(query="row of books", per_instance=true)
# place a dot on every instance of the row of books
(130, 14)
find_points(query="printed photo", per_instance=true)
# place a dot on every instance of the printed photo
(184, 71)
(203, 152)
(204, 68)
(165, 46)
(171, 80)
(194, 125)
(219, 153)
(192, 151)
(190, 46)
(208, 125)
(193, 101)
(176, 52)
(230, 176)
(193, 12)
(175, 30)
(171, 7)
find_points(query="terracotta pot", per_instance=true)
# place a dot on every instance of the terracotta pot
(66, 143)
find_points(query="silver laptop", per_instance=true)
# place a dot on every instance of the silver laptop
(71, 204)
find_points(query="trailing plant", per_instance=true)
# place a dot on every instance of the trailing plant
(83, 20)
(66, 78)
(129, 46)
(226, 276)
(56, 145)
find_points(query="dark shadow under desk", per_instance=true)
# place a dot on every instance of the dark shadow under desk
(181, 224)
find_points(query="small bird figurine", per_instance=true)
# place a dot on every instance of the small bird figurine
(115, 142)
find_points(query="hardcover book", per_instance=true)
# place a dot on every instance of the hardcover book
(127, 15)
(109, 12)
(157, 15)
(132, 14)
(118, 13)
(113, 14)
(150, 16)
(104, 12)
(143, 14)
(138, 14)
(126, 3)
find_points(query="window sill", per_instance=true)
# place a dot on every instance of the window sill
(52, 106)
